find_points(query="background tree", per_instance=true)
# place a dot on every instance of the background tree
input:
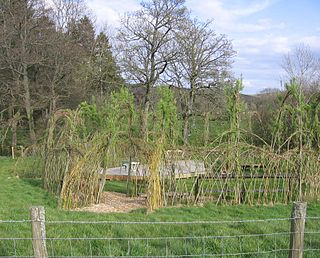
(204, 60)
(144, 39)
(52, 58)
(24, 26)
(65, 12)
(101, 75)
(40, 61)
(82, 34)
(303, 65)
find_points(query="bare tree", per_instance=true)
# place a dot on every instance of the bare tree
(68, 51)
(143, 38)
(204, 60)
(65, 12)
(303, 65)
(24, 24)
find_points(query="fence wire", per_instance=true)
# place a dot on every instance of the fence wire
(227, 238)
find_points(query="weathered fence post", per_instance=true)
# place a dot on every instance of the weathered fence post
(37, 215)
(298, 216)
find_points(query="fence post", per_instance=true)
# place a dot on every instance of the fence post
(37, 215)
(298, 216)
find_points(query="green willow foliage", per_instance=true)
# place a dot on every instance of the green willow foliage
(167, 123)
(234, 107)
(92, 118)
(297, 130)
(90, 138)
(297, 123)
(236, 171)
(166, 132)
(120, 112)
(115, 116)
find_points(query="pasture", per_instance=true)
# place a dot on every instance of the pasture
(215, 230)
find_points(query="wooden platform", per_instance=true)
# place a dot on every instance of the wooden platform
(178, 169)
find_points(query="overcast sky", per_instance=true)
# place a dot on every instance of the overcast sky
(262, 31)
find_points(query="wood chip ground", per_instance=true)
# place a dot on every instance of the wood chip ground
(116, 202)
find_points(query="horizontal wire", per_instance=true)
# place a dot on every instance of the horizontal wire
(172, 238)
(312, 232)
(149, 238)
(159, 222)
(154, 238)
(313, 218)
(167, 222)
(15, 221)
(311, 249)
(176, 256)
(21, 256)
(169, 237)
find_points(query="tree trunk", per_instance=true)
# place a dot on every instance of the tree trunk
(144, 121)
(186, 130)
(145, 114)
(25, 80)
(28, 108)
(189, 111)
(14, 132)
(206, 128)
(53, 104)
(13, 125)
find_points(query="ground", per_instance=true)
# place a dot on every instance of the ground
(116, 202)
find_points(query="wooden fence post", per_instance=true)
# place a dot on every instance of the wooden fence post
(298, 216)
(37, 215)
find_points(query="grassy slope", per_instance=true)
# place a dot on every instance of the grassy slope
(17, 194)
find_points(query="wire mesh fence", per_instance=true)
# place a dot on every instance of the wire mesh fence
(228, 238)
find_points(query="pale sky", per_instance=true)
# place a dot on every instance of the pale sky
(262, 31)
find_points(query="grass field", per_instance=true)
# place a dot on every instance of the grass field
(17, 194)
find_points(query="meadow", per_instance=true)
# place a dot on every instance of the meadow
(242, 228)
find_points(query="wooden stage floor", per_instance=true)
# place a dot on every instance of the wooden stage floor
(178, 169)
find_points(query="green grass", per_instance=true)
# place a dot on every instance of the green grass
(18, 194)
(116, 186)
(197, 128)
